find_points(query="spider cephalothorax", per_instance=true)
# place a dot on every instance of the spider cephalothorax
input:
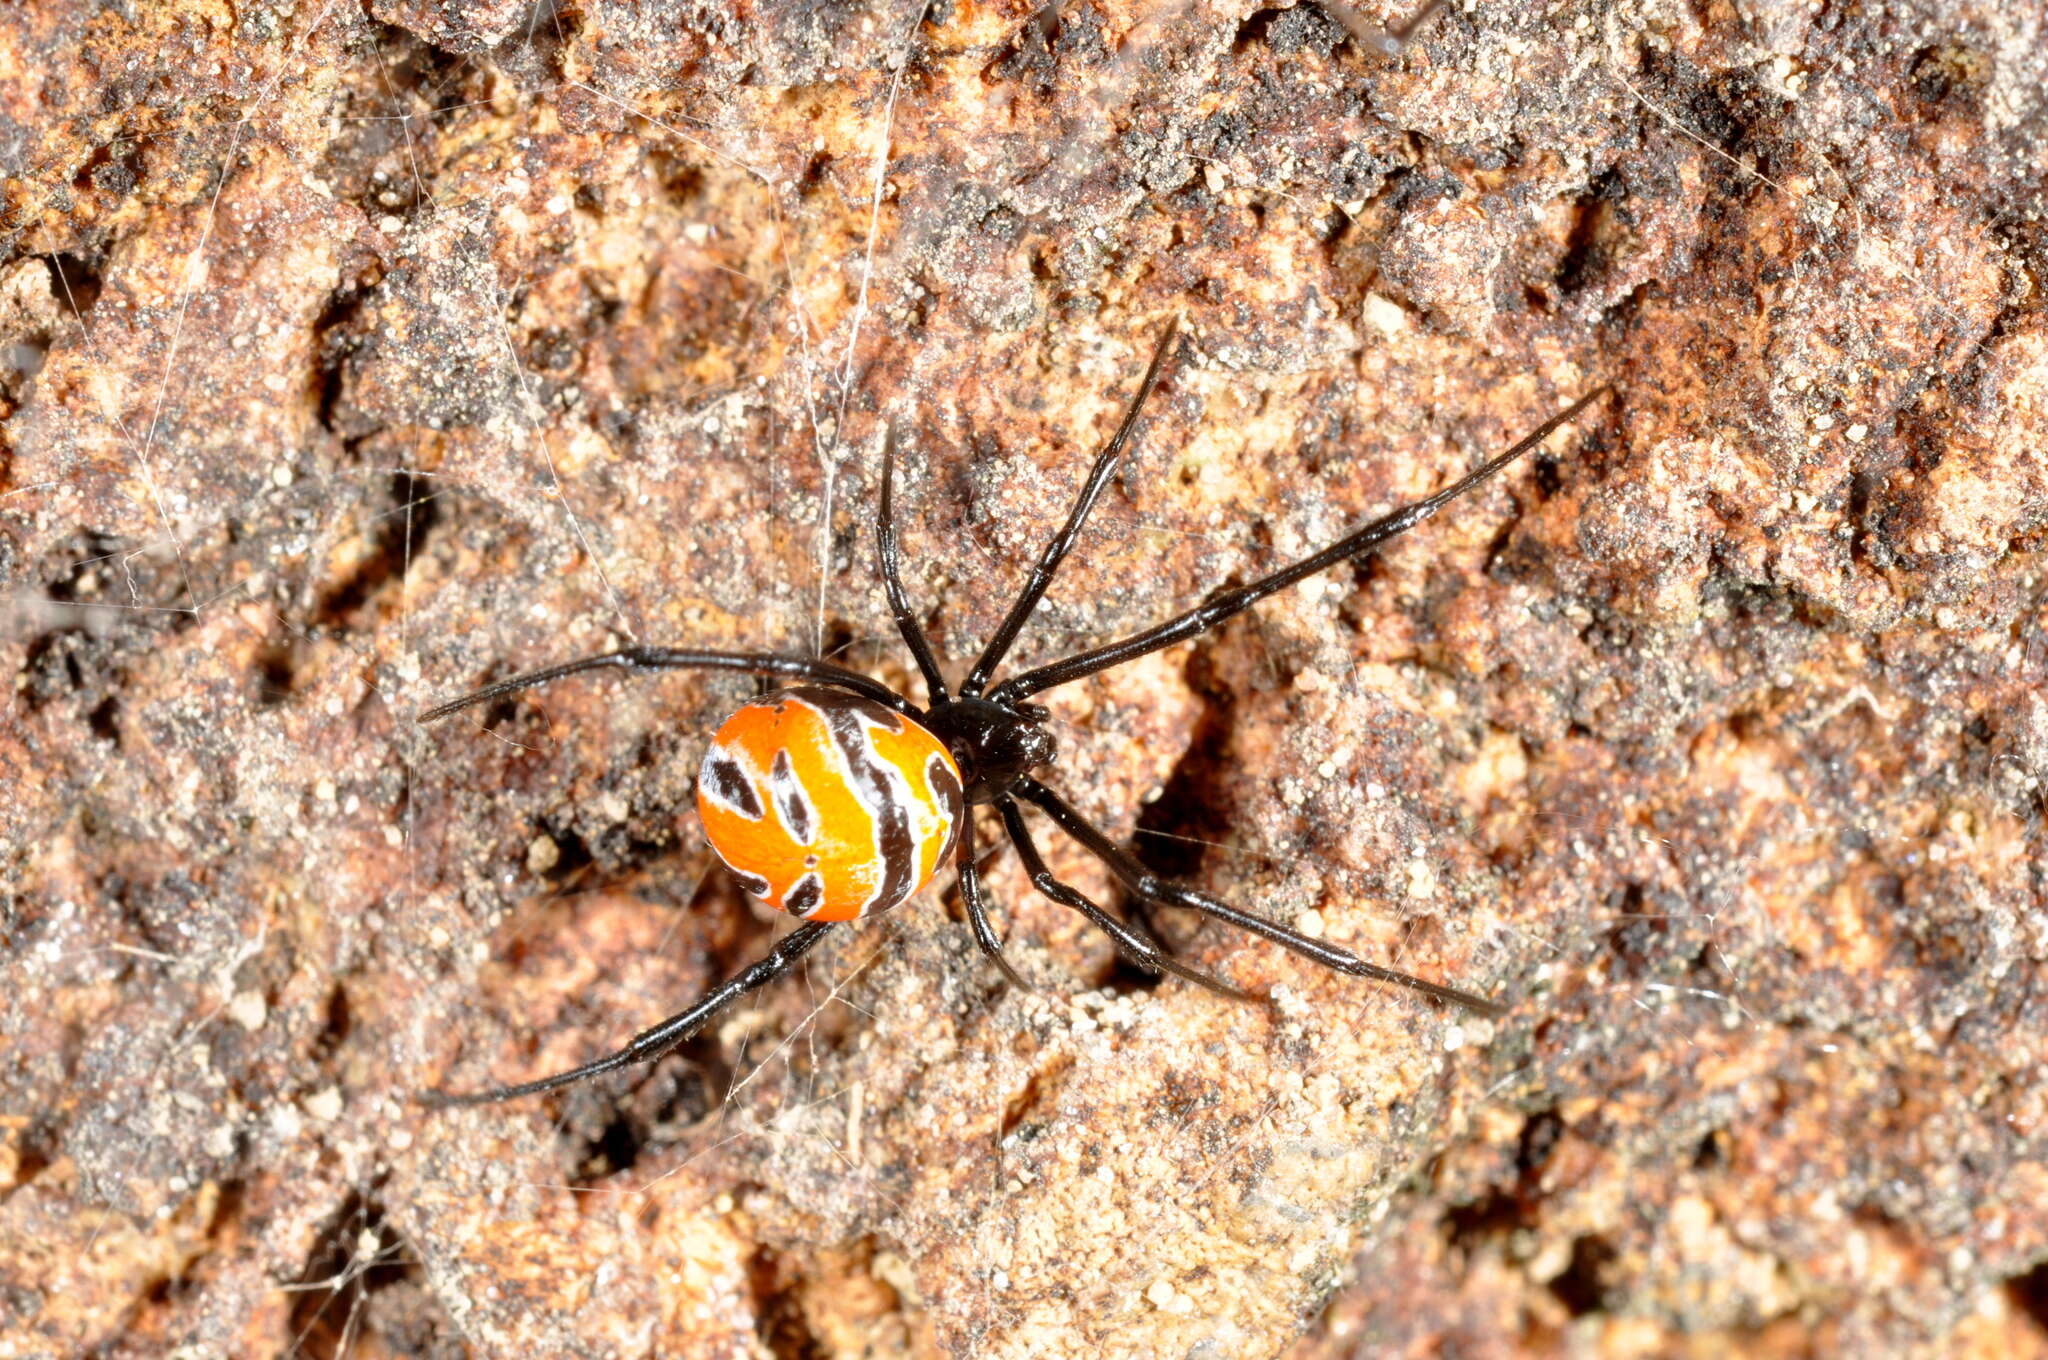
(993, 743)
(840, 798)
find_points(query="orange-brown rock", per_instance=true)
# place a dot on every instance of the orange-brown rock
(351, 356)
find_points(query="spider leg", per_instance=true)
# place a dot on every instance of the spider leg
(1399, 34)
(1207, 615)
(650, 1044)
(671, 658)
(1130, 943)
(892, 578)
(1063, 542)
(1387, 42)
(1143, 917)
(1142, 881)
(977, 904)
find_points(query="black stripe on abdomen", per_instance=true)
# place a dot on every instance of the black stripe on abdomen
(803, 899)
(790, 800)
(877, 793)
(729, 783)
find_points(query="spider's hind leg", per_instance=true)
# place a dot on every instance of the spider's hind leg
(652, 1043)
(1134, 945)
(1138, 879)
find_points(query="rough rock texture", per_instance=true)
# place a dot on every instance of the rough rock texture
(352, 355)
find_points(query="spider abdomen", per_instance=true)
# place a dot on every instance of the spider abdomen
(828, 805)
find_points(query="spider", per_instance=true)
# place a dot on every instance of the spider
(840, 798)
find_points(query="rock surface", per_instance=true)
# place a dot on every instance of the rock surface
(353, 356)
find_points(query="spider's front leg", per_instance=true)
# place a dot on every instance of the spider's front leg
(976, 902)
(646, 659)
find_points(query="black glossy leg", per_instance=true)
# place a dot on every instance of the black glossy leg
(1207, 615)
(650, 1044)
(977, 904)
(1142, 881)
(671, 659)
(1130, 943)
(1063, 542)
(1143, 917)
(892, 578)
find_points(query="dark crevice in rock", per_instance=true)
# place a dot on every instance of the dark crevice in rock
(1175, 830)
(776, 1281)
(1582, 1285)
(275, 674)
(77, 283)
(1591, 243)
(105, 720)
(2028, 1292)
(337, 338)
(401, 532)
(336, 1024)
(1493, 1216)
(363, 1291)
(1541, 1133)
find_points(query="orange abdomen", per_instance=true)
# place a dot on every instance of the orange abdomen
(828, 805)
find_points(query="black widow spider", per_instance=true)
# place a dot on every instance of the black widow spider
(995, 739)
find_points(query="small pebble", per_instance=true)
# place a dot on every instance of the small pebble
(248, 1010)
